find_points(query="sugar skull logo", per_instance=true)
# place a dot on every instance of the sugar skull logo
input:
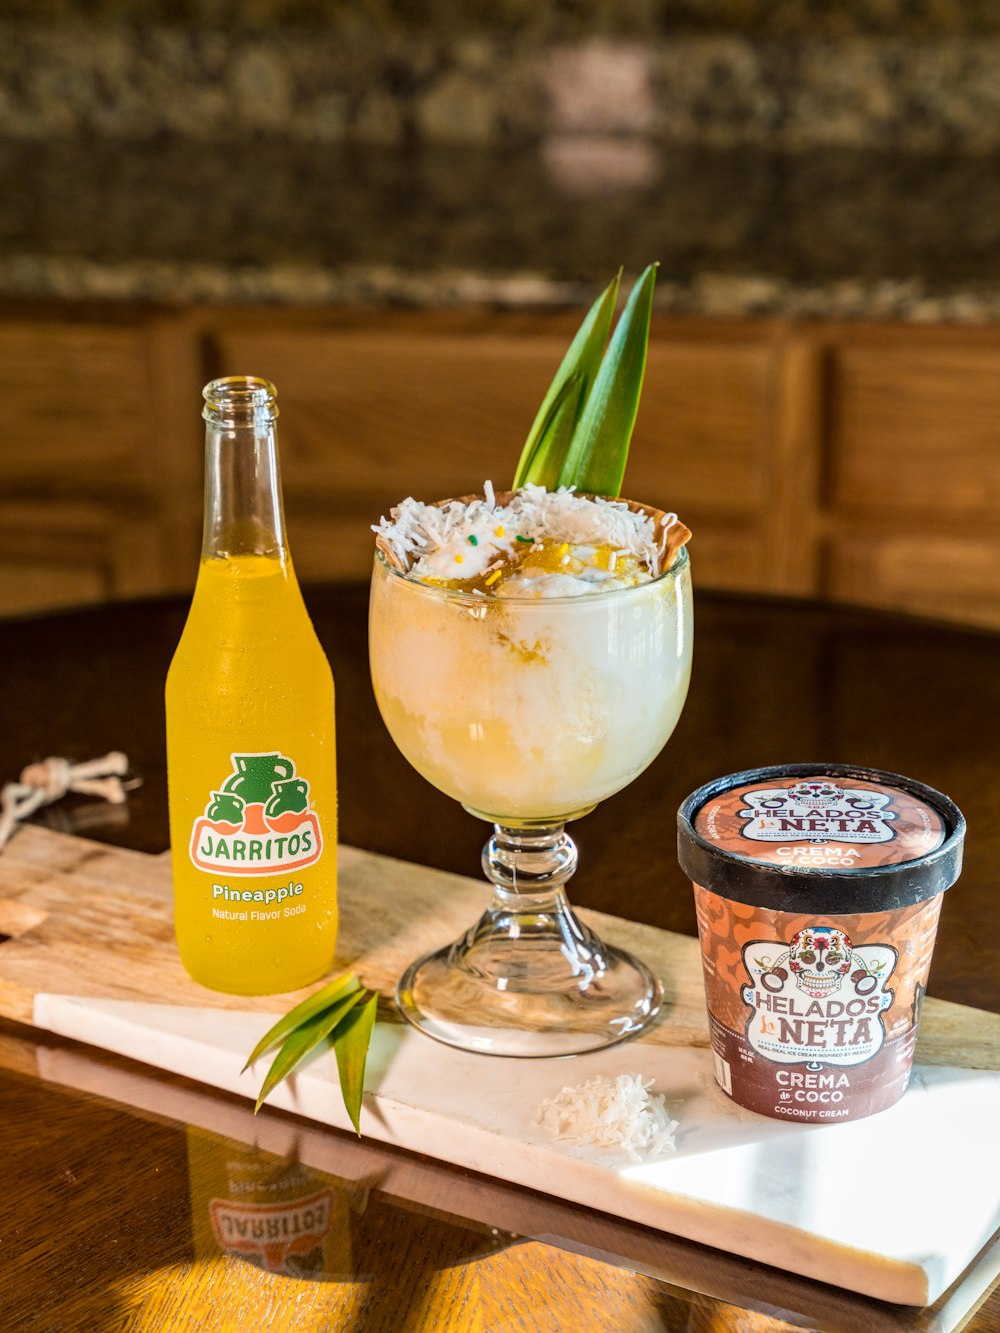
(819, 958)
(816, 794)
(817, 810)
(817, 999)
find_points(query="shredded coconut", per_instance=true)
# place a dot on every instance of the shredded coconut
(415, 530)
(611, 1113)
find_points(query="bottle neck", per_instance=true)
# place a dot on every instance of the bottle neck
(243, 508)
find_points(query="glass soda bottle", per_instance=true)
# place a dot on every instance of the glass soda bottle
(250, 730)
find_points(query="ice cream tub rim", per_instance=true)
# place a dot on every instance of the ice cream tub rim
(833, 892)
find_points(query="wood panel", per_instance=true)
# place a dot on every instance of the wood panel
(336, 543)
(726, 552)
(57, 554)
(176, 434)
(100, 477)
(76, 406)
(911, 502)
(791, 521)
(373, 415)
(705, 425)
(916, 427)
(943, 575)
(48, 584)
(812, 459)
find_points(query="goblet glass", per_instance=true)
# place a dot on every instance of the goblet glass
(529, 711)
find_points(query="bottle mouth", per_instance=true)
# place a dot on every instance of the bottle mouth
(240, 400)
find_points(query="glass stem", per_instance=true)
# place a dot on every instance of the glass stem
(528, 868)
(535, 860)
(529, 979)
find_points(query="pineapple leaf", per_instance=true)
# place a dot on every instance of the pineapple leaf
(598, 451)
(304, 1039)
(543, 456)
(551, 435)
(336, 990)
(352, 1040)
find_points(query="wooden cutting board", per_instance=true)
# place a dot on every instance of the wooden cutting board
(896, 1206)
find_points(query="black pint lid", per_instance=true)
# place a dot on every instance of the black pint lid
(820, 838)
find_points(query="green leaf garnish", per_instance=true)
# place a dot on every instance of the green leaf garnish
(353, 1038)
(323, 999)
(305, 1038)
(583, 429)
(341, 1013)
(597, 454)
(550, 435)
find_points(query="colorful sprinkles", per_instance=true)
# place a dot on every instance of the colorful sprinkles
(538, 543)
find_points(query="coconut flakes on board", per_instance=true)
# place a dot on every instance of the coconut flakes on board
(614, 1114)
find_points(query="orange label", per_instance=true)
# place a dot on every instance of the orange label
(814, 1017)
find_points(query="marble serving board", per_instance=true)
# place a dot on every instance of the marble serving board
(895, 1207)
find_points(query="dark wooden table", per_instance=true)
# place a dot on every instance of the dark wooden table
(108, 1167)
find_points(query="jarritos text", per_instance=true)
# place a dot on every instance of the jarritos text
(281, 1237)
(817, 999)
(259, 820)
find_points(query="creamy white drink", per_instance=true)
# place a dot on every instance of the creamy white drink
(551, 684)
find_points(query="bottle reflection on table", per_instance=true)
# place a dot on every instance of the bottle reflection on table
(291, 1220)
(271, 1211)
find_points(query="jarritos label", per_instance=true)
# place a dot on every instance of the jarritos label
(281, 1237)
(259, 820)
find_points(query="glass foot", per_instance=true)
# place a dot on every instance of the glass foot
(529, 979)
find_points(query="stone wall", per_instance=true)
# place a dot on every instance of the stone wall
(798, 156)
(896, 75)
(917, 20)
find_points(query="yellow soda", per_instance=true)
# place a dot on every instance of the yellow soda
(250, 731)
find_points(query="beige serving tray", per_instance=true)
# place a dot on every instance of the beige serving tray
(896, 1206)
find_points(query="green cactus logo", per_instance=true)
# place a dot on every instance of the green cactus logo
(258, 820)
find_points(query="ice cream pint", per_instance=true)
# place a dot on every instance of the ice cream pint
(818, 890)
